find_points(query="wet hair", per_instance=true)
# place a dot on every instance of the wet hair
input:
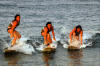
(48, 23)
(47, 27)
(78, 26)
(15, 18)
(16, 15)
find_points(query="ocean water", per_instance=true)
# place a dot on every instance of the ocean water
(64, 15)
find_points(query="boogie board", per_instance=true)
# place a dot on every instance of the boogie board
(72, 48)
(9, 51)
(48, 50)
(45, 49)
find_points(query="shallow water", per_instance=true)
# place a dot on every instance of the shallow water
(64, 14)
(62, 57)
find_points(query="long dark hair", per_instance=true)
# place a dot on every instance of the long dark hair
(47, 27)
(15, 18)
(77, 33)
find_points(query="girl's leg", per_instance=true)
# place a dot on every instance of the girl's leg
(13, 42)
(49, 39)
(16, 37)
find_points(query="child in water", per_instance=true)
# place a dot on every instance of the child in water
(76, 36)
(46, 34)
(11, 29)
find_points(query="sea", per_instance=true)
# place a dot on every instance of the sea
(64, 15)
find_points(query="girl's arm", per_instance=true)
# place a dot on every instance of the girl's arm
(53, 34)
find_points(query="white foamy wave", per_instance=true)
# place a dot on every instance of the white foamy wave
(87, 36)
(22, 47)
(65, 45)
(82, 46)
(86, 45)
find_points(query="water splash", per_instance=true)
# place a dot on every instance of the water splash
(87, 40)
(22, 47)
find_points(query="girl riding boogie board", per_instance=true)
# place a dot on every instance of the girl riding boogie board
(76, 36)
(46, 34)
(11, 29)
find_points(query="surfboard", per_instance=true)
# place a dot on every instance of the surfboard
(48, 50)
(72, 48)
(9, 51)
